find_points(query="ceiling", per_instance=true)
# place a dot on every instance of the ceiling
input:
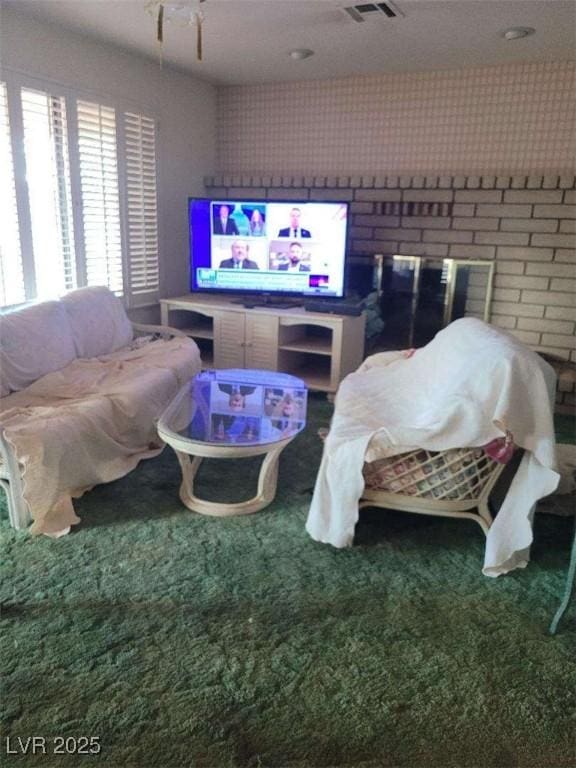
(248, 41)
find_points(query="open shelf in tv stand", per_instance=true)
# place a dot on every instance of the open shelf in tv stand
(319, 348)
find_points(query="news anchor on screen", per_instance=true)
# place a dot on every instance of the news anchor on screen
(294, 263)
(294, 230)
(239, 258)
(223, 224)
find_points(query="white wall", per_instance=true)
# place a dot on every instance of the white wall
(185, 107)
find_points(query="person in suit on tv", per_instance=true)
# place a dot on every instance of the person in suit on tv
(295, 260)
(239, 259)
(294, 231)
(223, 224)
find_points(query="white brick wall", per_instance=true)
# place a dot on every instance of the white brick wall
(485, 121)
(524, 223)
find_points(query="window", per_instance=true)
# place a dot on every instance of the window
(86, 192)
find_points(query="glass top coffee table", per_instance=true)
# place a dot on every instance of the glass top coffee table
(232, 414)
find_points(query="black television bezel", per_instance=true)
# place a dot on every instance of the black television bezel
(238, 293)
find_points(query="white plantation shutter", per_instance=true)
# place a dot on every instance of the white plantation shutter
(48, 181)
(78, 195)
(141, 205)
(100, 195)
(11, 274)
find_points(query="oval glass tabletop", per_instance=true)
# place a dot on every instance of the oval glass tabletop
(237, 407)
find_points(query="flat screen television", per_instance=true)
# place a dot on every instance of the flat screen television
(268, 249)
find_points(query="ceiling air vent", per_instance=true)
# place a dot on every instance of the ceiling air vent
(371, 11)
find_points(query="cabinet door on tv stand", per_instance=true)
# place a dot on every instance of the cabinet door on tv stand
(229, 331)
(261, 339)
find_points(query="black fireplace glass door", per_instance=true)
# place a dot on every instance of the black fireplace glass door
(419, 296)
(431, 302)
(399, 293)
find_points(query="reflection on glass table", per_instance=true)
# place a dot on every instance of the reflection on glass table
(233, 414)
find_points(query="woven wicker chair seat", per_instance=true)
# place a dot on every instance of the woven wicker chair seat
(457, 474)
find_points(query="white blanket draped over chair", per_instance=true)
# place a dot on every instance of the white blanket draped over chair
(469, 385)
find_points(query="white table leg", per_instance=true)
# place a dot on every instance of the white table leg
(267, 481)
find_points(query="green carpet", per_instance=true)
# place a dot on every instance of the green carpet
(182, 640)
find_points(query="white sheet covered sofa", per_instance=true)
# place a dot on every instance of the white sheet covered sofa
(81, 390)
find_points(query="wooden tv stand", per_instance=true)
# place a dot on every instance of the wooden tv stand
(319, 348)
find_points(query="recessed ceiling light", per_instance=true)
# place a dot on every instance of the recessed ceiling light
(515, 33)
(301, 53)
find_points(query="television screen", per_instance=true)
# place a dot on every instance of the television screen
(268, 247)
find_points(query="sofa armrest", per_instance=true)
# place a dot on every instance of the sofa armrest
(158, 331)
(11, 483)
